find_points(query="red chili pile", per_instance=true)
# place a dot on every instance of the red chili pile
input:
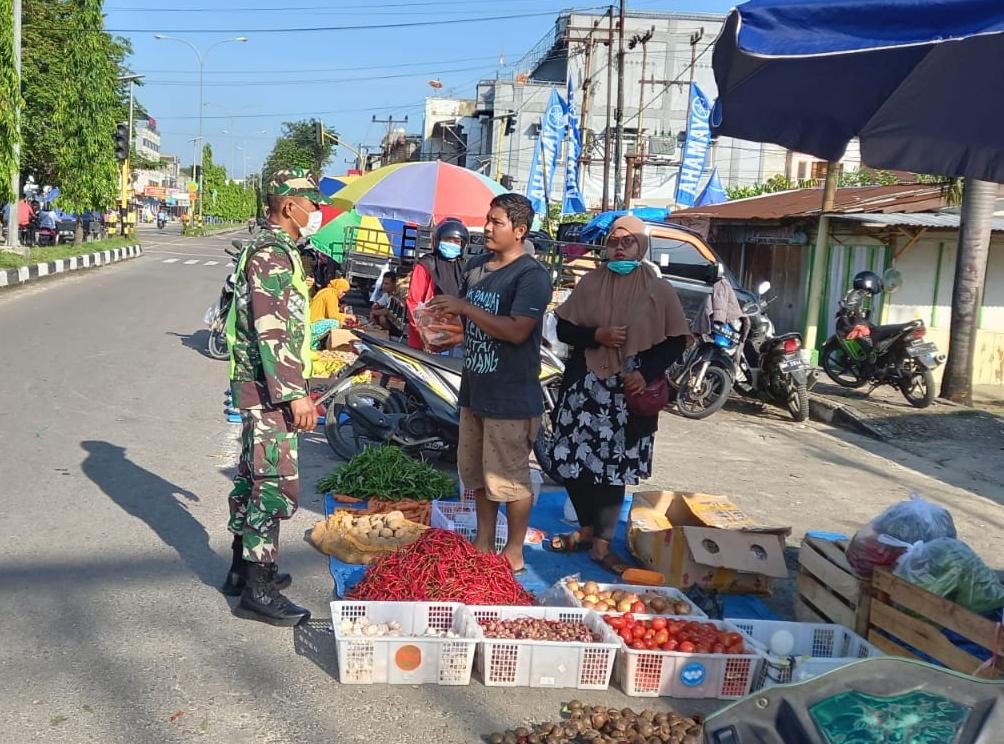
(441, 566)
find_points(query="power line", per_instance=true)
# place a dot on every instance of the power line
(356, 68)
(245, 83)
(312, 29)
(311, 8)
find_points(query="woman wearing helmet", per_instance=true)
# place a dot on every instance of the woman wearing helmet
(438, 272)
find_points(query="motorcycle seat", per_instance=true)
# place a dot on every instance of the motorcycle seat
(450, 364)
(880, 333)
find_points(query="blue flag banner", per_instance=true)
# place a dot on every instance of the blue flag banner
(574, 203)
(552, 132)
(695, 149)
(714, 192)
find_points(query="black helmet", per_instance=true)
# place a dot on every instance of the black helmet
(868, 281)
(451, 227)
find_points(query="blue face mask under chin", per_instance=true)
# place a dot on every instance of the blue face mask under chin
(449, 251)
(622, 267)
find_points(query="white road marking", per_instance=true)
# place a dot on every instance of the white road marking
(191, 261)
(211, 263)
(170, 260)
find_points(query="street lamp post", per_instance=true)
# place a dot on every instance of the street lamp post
(201, 57)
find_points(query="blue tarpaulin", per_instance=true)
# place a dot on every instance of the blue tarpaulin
(599, 225)
(917, 81)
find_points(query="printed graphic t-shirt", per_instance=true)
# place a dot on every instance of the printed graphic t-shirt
(501, 379)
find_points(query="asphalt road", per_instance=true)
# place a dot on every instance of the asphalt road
(115, 463)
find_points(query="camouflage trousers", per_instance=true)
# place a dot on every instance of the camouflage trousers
(267, 485)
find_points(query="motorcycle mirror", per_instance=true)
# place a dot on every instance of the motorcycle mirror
(763, 288)
(238, 244)
(892, 280)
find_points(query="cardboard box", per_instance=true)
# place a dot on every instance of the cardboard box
(697, 538)
(340, 338)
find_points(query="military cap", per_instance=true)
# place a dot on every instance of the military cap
(296, 182)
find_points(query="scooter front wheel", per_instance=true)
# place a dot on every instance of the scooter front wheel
(216, 345)
(840, 368)
(338, 428)
(698, 401)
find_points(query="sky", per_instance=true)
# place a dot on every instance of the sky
(344, 77)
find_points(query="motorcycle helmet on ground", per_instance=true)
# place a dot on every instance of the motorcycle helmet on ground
(868, 281)
(451, 228)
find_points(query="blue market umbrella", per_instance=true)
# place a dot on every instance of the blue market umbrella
(917, 81)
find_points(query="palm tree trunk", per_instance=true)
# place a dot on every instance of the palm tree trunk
(978, 202)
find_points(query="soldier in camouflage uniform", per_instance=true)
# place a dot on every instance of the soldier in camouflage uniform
(268, 330)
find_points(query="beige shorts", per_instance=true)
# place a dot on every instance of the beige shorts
(494, 454)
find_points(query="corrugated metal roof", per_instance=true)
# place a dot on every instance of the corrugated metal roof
(807, 203)
(935, 220)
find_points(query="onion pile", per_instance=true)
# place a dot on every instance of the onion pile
(651, 602)
(537, 629)
(601, 725)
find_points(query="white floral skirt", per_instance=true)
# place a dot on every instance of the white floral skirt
(590, 439)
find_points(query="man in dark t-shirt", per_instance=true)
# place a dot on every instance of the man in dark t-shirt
(502, 301)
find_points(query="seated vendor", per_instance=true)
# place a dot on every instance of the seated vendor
(326, 304)
(380, 312)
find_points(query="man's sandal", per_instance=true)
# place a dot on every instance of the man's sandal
(569, 543)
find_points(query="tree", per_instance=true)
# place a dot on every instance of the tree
(86, 114)
(297, 147)
(225, 199)
(978, 202)
(10, 94)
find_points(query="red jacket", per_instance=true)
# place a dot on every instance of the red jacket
(421, 289)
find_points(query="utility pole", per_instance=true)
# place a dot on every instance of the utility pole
(610, 87)
(820, 256)
(619, 113)
(13, 221)
(390, 121)
(639, 159)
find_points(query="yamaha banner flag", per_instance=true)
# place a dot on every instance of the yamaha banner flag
(552, 132)
(695, 149)
(573, 203)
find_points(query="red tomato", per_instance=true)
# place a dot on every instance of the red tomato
(661, 637)
(616, 622)
(626, 635)
(628, 618)
(638, 645)
(676, 626)
(638, 606)
(687, 647)
(738, 648)
(731, 639)
(649, 634)
(660, 623)
(670, 645)
(718, 649)
(702, 648)
(650, 644)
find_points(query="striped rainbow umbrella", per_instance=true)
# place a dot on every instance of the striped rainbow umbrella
(421, 193)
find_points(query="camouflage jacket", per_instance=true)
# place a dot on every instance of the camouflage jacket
(268, 327)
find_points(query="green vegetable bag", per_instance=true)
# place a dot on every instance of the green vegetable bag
(951, 569)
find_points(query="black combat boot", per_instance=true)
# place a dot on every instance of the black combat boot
(234, 584)
(261, 600)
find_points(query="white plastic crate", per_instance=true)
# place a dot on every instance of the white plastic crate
(563, 596)
(460, 517)
(411, 658)
(818, 648)
(686, 675)
(525, 663)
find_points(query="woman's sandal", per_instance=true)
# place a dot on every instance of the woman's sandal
(568, 543)
(613, 563)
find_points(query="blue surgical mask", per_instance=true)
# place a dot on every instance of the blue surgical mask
(622, 267)
(449, 251)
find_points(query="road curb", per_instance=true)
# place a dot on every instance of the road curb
(25, 274)
(828, 412)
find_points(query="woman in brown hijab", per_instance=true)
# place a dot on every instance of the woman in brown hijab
(625, 325)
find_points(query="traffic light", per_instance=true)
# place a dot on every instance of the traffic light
(197, 173)
(122, 142)
(510, 124)
(319, 133)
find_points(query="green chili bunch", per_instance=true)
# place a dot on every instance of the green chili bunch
(387, 473)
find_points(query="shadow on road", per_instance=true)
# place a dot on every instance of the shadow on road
(197, 341)
(158, 503)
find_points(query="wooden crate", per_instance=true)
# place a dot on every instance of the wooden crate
(892, 601)
(828, 590)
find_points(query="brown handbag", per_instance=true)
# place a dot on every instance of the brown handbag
(655, 396)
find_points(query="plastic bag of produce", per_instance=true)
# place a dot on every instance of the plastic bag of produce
(880, 542)
(435, 330)
(951, 569)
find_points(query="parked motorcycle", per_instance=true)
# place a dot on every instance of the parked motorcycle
(704, 376)
(413, 402)
(860, 353)
(771, 367)
(216, 316)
